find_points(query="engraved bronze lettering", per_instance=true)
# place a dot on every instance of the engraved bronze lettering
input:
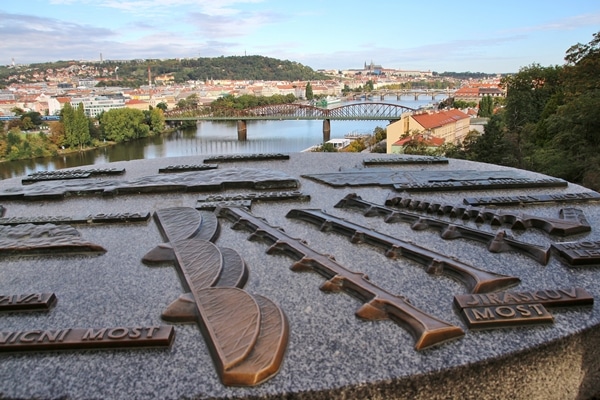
(28, 302)
(538, 198)
(248, 157)
(378, 304)
(406, 159)
(83, 219)
(579, 253)
(185, 168)
(574, 296)
(505, 316)
(506, 309)
(476, 280)
(212, 201)
(69, 174)
(73, 338)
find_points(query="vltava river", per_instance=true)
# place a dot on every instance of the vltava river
(212, 138)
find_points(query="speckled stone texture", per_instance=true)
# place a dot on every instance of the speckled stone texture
(331, 354)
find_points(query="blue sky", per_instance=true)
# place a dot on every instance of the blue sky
(477, 36)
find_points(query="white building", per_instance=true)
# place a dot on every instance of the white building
(95, 105)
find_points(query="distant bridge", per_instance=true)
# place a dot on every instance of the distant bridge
(367, 111)
(416, 93)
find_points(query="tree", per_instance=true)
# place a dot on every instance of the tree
(486, 107)
(156, 120)
(308, 92)
(123, 124)
(162, 105)
(76, 126)
(68, 120)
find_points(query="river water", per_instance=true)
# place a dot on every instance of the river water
(213, 138)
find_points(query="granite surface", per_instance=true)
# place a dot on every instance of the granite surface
(331, 354)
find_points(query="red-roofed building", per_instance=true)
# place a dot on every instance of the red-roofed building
(477, 92)
(450, 126)
(425, 140)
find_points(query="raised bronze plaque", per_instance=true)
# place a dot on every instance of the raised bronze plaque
(91, 338)
(506, 309)
(28, 302)
(69, 174)
(579, 253)
(82, 219)
(532, 198)
(407, 159)
(248, 157)
(506, 316)
(186, 168)
(574, 296)
(434, 180)
(245, 199)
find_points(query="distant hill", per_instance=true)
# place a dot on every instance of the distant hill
(134, 73)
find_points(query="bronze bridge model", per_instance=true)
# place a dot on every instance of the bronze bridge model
(368, 111)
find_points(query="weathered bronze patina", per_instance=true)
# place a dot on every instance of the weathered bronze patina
(196, 181)
(70, 174)
(532, 198)
(28, 239)
(248, 157)
(186, 168)
(246, 334)
(579, 253)
(476, 280)
(378, 303)
(211, 202)
(506, 309)
(571, 221)
(496, 243)
(87, 338)
(73, 220)
(406, 159)
(434, 180)
(28, 302)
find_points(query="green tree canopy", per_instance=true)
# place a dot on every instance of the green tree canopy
(123, 124)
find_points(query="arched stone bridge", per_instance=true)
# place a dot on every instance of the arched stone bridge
(368, 111)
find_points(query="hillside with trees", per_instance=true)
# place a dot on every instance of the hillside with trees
(549, 123)
(134, 73)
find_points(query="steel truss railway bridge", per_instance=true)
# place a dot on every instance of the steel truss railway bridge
(364, 111)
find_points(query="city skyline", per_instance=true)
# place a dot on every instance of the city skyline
(466, 36)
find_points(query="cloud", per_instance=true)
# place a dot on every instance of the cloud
(164, 7)
(564, 24)
(231, 25)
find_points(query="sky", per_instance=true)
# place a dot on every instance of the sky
(440, 36)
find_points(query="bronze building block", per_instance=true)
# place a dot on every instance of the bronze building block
(377, 303)
(30, 239)
(476, 280)
(246, 334)
(571, 221)
(496, 243)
